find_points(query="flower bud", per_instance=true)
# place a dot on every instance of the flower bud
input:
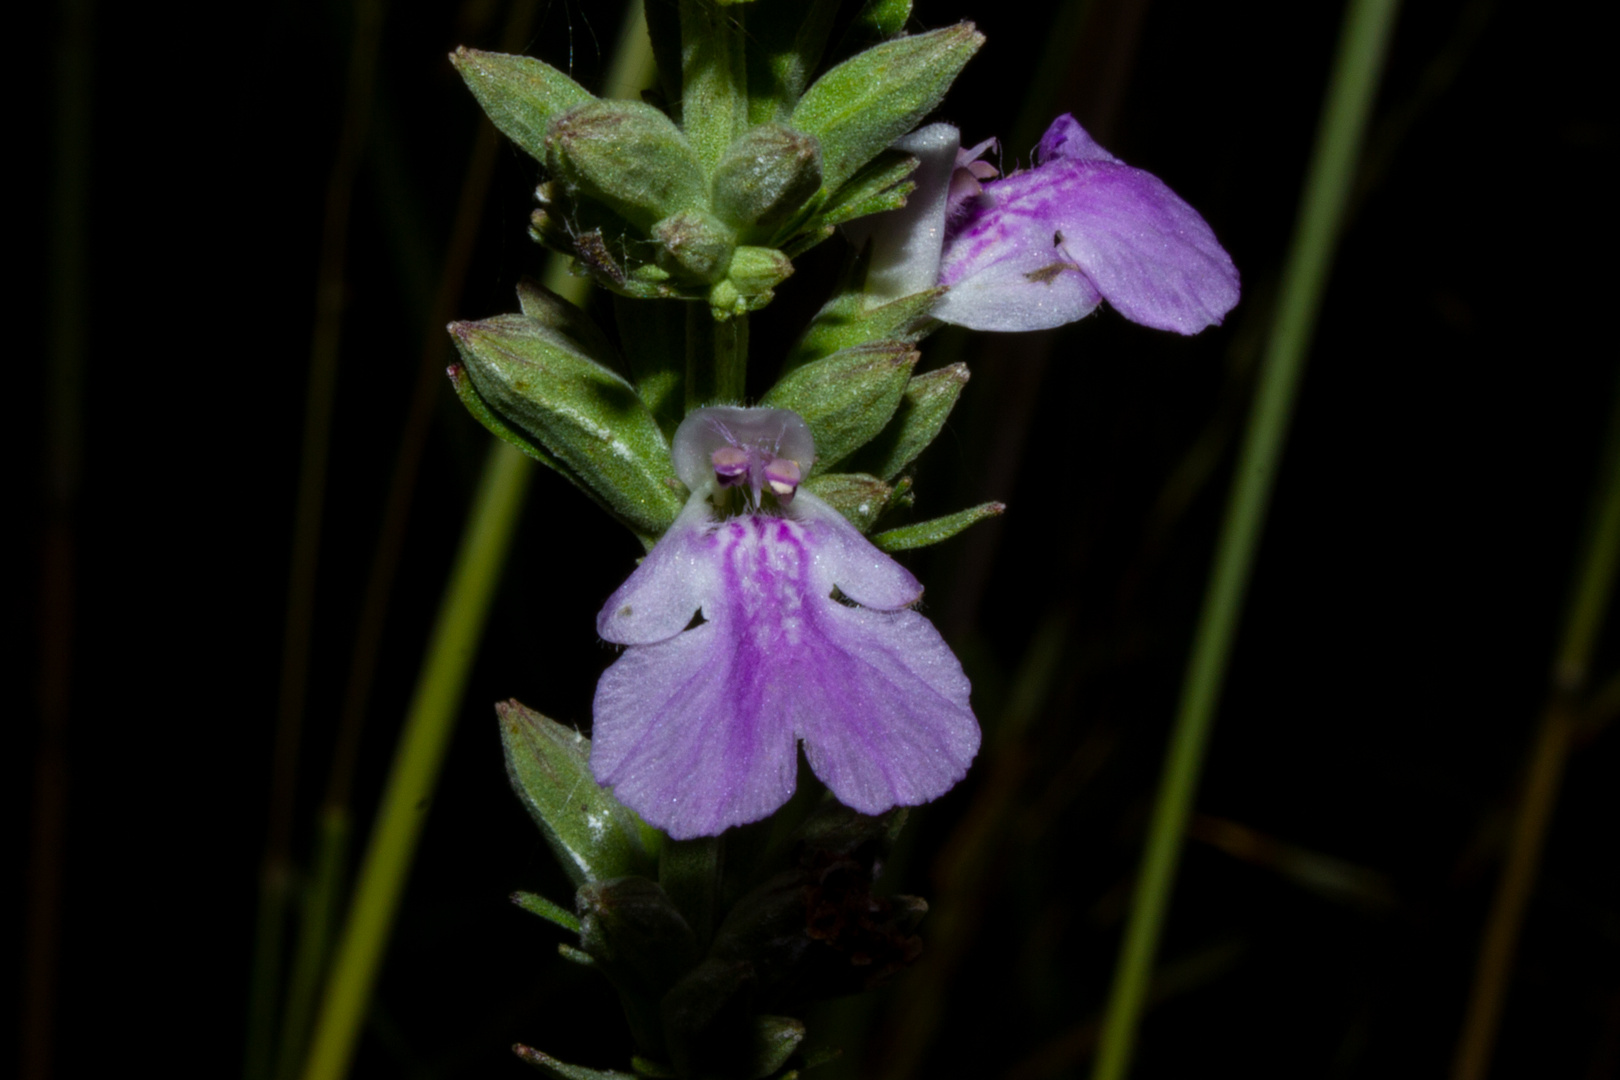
(694, 242)
(588, 419)
(626, 156)
(758, 270)
(767, 174)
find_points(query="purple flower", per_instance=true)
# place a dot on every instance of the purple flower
(697, 726)
(1045, 246)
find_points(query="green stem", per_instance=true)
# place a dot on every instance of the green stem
(714, 78)
(1351, 90)
(716, 358)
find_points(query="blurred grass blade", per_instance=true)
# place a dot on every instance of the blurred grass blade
(276, 875)
(68, 288)
(1351, 90)
(1591, 595)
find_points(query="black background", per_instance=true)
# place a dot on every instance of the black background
(1393, 658)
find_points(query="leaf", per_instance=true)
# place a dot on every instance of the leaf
(846, 398)
(923, 410)
(874, 97)
(924, 533)
(593, 835)
(520, 94)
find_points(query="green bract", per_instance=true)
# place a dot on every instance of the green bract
(521, 95)
(595, 838)
(629, 157)
(847, 397)
(870, 100)
(589, 421)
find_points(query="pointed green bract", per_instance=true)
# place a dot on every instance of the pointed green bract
(561, 1070)
(924, 533)
(520, 94)
(924, 407)
(536, 904)
(859, 497)
(846, 398)
(873, 98)
(594, 837)
(845, 321)
(627, 156)
(881, 185)
(585, 416)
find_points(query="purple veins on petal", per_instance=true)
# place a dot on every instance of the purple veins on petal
(697, 727)
(1045, 246)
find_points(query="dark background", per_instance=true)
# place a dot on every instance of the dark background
(1393, 658)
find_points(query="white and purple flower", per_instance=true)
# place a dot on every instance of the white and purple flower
(1045, 246)
(697, 726)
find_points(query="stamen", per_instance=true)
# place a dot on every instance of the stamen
(730, 465)
(782, 476)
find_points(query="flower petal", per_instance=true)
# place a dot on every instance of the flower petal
(906, 243)
(671, 584)
(1149, 253)
(692, 735)
(846, 559)
(883, 709)
(1065, 138)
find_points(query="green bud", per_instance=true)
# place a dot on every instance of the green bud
(726, 301)
(928, 400)
(520, 94)
(846, 398)
(766, 176)
(924, 533)
(881, 18)
(694, 242)
(586, 417)
(593, 836)
(874, 97)
(859, 497)
(627, 156)
(758, 270)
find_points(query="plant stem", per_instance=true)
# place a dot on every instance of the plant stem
(716, 358)
(1591, 594)
(1351, 88)
(714, 78)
